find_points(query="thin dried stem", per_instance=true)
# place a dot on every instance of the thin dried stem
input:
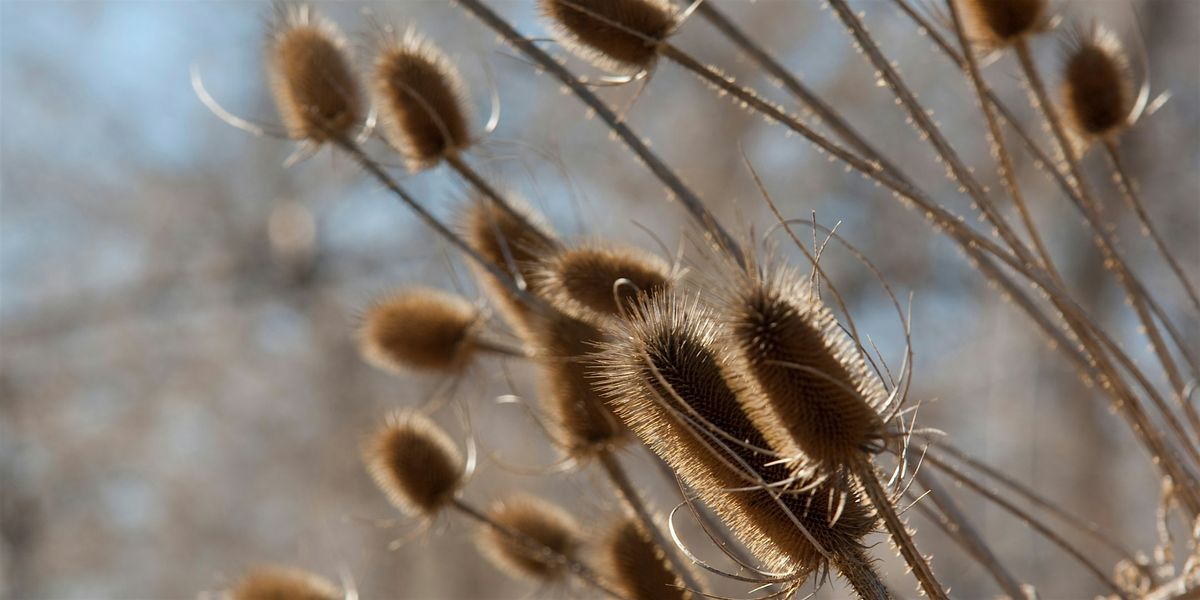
(899, 531)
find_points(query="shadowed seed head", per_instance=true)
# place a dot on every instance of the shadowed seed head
(415, 463)
(638, 568)
(1097, 89)
(583, 281)
(421, 103)
(419, 328)
(308, 66)
(618, 35)
(667, 383)
(807, 384)
(545, 533)
(999, 23)
(284, 583)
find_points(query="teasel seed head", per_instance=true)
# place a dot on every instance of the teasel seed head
(309, 69)
(284, 583)
(538, 522)
(421, 100)
(617, 35)
(1097, 89)
(638, 568)
(806, 382)
(667, 381)
(1000, 23)
(415, 463)
(595, 282)
(420, 328)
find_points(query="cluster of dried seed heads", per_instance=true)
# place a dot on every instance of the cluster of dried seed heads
(421, 329)
(315, 87)
(596, 282)
(638, 568)
(535, 538)
(1000, 23)
(284, 583)
(415, 463)
(1097, 88)
(619, 35)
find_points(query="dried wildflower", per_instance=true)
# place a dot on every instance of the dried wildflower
(544, 531)
(1000, 23)
(1097, 89)
(284, 583)
(419, 328)
(594, 282)
(638, 567)
(421, 100)
(415, 463)
(619, 35)
(308, 65)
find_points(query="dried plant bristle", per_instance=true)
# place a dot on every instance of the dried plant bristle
(419, 328)
(415, 463)
(315, 88)
(284, 583)
(998, 23)
(1097, 89)
(807, 382)
(638, 568)
(583, 281)
(619, 35)
(421, 100)
(541, 527)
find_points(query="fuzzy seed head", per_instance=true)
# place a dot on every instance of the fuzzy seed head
(583, 281)
(415, 463)
(1097, 89)
(419, 329)
(547, 532)
(999, 23)
(309, 68)
(618, 35)
(284, 583)
(421, 100)
(638, 567)
(807, 383)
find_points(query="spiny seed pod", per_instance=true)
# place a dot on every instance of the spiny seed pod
(420, 328)
(595, 282)
(999, 23)
(1097, 89)
(807, 383)
(284, 583)
(638, 567)
(415, 463)
(544, 533)
(308, 66)
(618, 35)
(421, 100)
(665, 380)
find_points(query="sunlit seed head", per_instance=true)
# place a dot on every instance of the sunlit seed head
(637, 567)
(1097, 89)
(419, 328)
(546, 534)
(594, 282)
(1000, 23)
(618, 35)
(284, 583)
(309, 69)
(414, 463)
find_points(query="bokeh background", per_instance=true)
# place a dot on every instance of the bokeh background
(180, 395)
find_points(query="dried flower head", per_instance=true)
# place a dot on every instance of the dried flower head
(545, 535)
(284, 583)
(1097, 88)
(415, 463)
(420, 328)
(315, 88)
(807, 383)
(421, 100)
(1000, 23)
(593, 282)
(638, 567)
(618, 35)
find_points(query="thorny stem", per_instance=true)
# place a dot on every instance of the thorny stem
(620, 480)
(898, 530)
(855, 567)
(686, 196)
(547, 553)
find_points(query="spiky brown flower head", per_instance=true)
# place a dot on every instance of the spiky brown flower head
(421, 99)
(1097, 88)
(665, 378)
(309, 69)
(544, 531)
(284, 583)
(996, 24)
(637, 567)
(419, 328)
(415, 463)
(807, 383)
(616, 35)
(595, 282)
